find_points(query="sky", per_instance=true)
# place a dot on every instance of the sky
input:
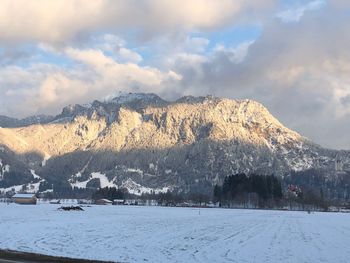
(292, 56)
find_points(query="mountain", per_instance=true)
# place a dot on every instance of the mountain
(144, 143)
(13, 122)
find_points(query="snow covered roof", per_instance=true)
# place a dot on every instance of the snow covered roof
(104, 200)
(23, 196)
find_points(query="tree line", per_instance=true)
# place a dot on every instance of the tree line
(237, 190)
(249, 191)
(110, 193)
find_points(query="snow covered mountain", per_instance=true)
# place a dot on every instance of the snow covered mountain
(144, 143)
(13, 122)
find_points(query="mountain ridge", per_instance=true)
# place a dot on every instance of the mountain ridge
(190, 143)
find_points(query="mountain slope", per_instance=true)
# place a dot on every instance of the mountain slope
(13, 122)
(145, 143)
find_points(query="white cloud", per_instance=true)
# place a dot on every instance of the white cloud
(196, 44)
(235, 54)
(294, 14)
(62, 21)
(47, 88)
(300, 71)
(108, 42)
(113, 73)
(116, 45)
(127, 55)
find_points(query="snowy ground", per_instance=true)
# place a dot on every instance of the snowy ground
(159, 234)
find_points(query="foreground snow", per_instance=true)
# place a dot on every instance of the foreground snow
(159, 234)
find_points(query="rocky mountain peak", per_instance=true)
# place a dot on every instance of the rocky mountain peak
(127, 98)
(191, 142)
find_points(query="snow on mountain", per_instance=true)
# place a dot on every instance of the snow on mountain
(29, 187)
(4, 168)
(104, 181)
(126, 98)
(35, 175)
(13, 122)
(45, 159)
(129, 184)
(137, 189)
(144, 142)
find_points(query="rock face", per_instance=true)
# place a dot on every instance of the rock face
(145, 143)
(13, 122)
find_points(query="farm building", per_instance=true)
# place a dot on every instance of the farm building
(103, 202)
(118, 202)
(25, 199)
(131, 202)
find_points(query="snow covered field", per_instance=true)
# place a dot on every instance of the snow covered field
(160, 234)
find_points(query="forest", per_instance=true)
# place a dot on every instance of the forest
(249, 191)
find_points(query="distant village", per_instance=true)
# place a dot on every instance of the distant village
(32, 199)
(237, 191)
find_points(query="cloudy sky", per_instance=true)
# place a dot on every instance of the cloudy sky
(291, 55)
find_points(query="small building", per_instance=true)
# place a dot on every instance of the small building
(131, 202)
(85, 202)
(103, 202)
(25, 199)
(118, 202)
